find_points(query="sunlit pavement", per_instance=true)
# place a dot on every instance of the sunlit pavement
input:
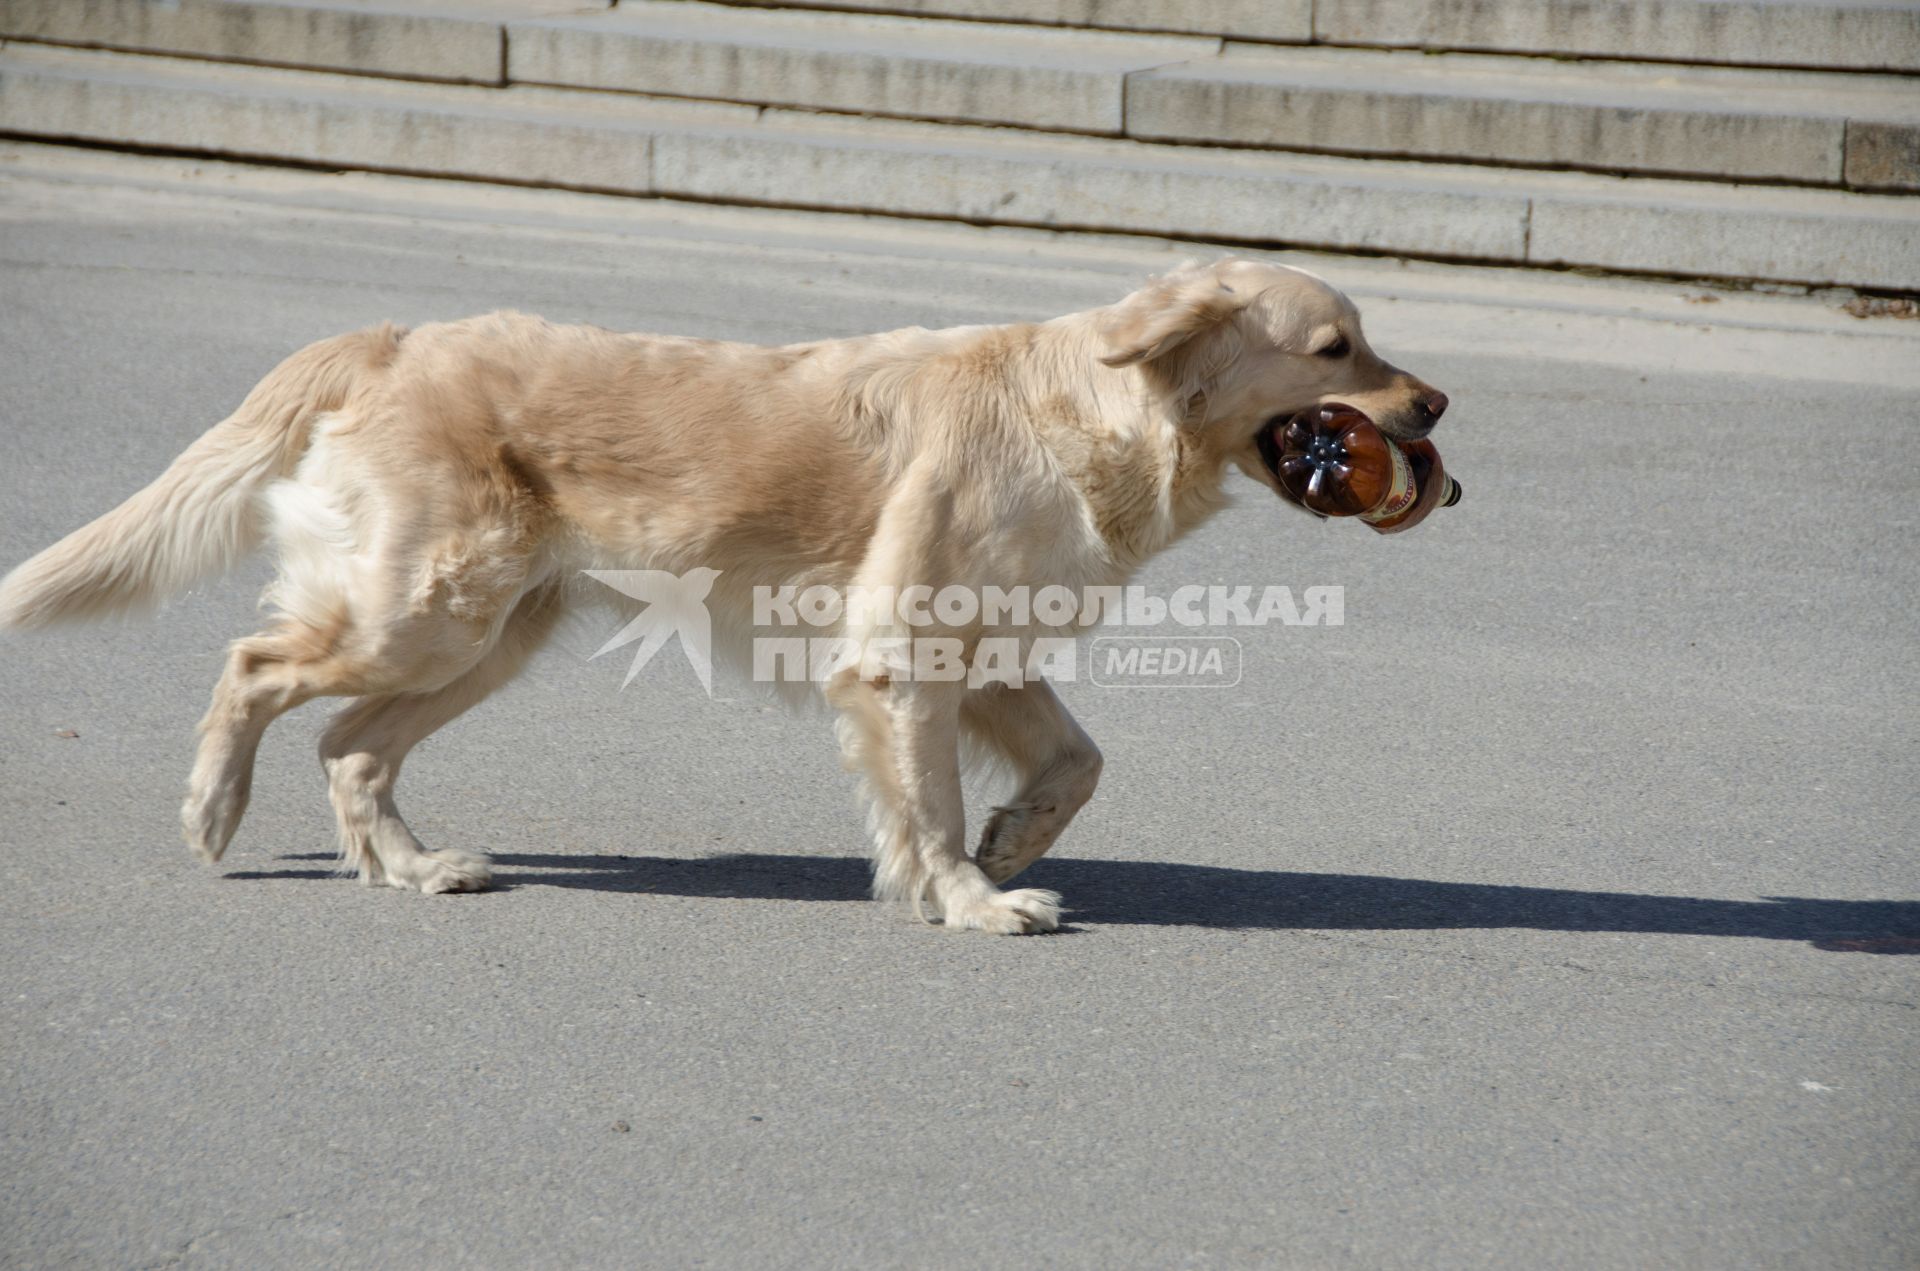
(1558, 909)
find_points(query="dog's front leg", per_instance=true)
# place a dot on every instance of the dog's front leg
(1056, 763)
(904, 736)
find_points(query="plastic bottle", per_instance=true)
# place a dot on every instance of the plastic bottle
(1334, 461)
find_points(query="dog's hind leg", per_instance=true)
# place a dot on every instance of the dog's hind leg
(904, 736)
(365, 744)
(1054, 760)
(266, 675)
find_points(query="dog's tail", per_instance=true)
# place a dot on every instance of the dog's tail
(203, 513)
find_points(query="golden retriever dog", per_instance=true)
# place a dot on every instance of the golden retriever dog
(433, 496)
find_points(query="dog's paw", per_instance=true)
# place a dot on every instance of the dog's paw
(207, 822)
(449, 869)
(1017, 835)
(1026, 912)
(999, 855)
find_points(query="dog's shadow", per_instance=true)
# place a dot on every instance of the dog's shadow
(1155, 893)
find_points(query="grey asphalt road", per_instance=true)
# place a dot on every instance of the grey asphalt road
(1555, 910)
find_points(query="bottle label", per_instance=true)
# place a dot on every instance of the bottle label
(1401, 491)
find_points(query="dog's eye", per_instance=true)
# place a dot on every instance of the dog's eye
(1339, 348)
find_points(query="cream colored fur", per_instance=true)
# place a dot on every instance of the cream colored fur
(432, 494)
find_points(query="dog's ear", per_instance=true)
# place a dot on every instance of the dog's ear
(1166, 313)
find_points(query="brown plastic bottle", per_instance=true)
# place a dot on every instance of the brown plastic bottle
(1334, 461)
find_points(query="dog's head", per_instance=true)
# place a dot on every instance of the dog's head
(1240, 344)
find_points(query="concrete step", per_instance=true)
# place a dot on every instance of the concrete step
(457, 40)
(531, 136)
(1857, 35)
(1290, 21)
(1816, 128)
(1063, 80)
(1852, 35)
(711, 151)
(1811, 127)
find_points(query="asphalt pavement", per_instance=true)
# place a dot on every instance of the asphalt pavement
(1560, 908)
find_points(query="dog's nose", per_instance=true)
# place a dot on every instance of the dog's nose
(1436, 405)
